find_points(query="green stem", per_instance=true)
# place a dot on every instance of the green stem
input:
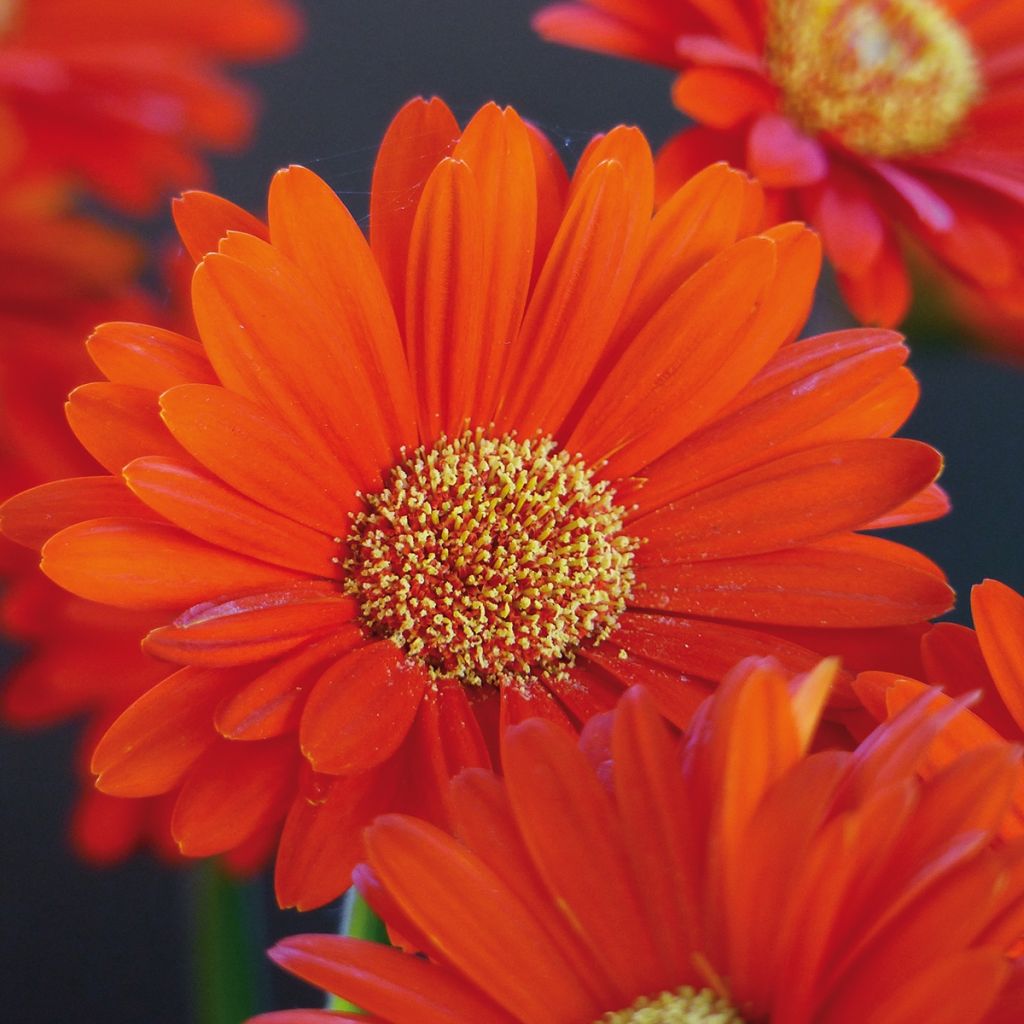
(358, 921)
(227, 948)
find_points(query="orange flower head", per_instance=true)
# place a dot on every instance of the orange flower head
(871, 119)
(124, 95)
(987, 662)
(527, 445)
(727, 877)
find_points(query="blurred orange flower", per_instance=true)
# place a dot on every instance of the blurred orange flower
(988, 663)
(525, 448)
(738, 879)
(867, 118)
(125, 94)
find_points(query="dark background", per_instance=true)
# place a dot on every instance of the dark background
(110, 946)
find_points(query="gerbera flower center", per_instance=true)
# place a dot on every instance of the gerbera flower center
(684, 1006)
(887, 78)
(491, 558)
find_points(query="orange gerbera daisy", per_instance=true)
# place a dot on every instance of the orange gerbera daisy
(868, 118)
(525, 448)
(126, 93)
(989, 662)
(739, 880)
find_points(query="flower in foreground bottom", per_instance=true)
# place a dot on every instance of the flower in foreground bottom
(527, 447)
(737, 880)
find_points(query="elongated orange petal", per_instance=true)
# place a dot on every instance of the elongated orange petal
(292, 476)
(199, 503)
(421, 134)
(204, 219)
(799, 498)
(142, 356)
(999, 621)
(32, 517)
(401, 988)
(130, 563)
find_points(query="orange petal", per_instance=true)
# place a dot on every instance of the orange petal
(868, 584)
(130, 563)
(271, 703)
(999, 621)
(141, 356)
(577, 299)
(203, 219)
(421, 135)
(200, 504)
(32, 517)
(296, 477)
(444, 298)
(688, 361)
(722, 97)
(249, 313)
(499, 150)
(474, 920)
(312, 227)
(116, 423)
(793, 500)
(153, 744)
(360, 710)
(321, 841)
(231, 792)
(398, 987)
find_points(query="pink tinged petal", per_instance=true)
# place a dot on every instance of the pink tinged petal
(232, 791)
(271, 703)
(576, 842)
(130, 563)
(400, 988)
(360, 710)
(475, 921)
(926, 204)
(154, 742)
(850, 223)
(780, 156)
(294, 476)
(32, 517)
(253, 627)
(711, 50)
(931, 503)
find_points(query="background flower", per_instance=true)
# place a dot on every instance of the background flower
(871, 119)
(125, 94)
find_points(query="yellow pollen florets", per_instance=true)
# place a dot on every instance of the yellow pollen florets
(491, 559)
(886, 78)
(684, 1006)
